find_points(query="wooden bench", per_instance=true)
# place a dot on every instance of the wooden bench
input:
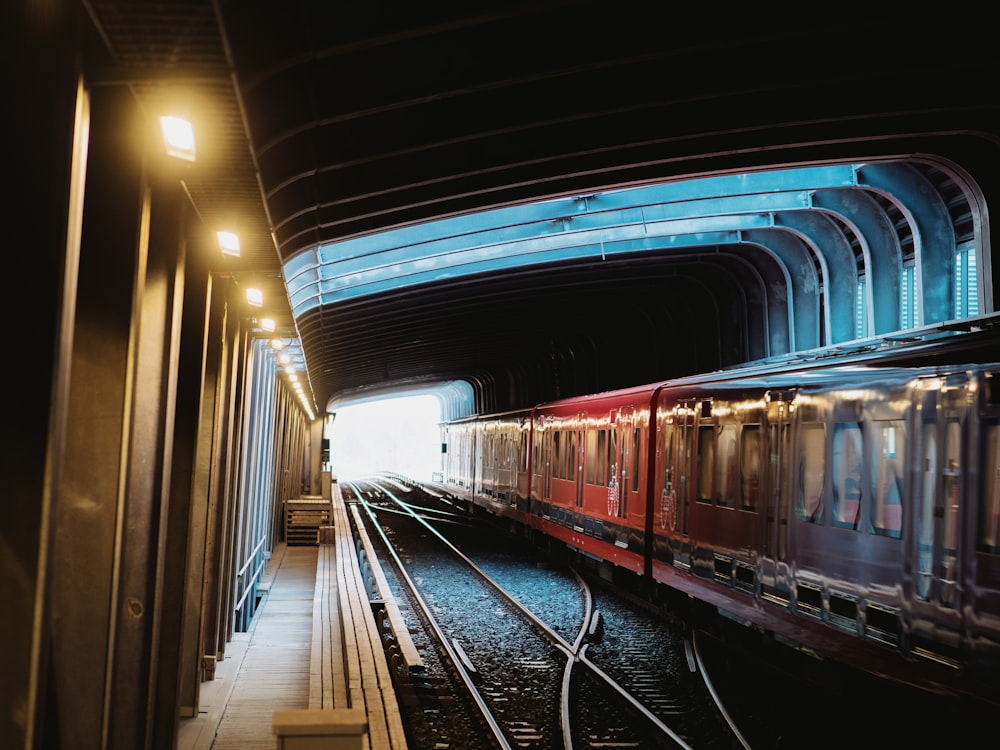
(403, 647)
(349, 670)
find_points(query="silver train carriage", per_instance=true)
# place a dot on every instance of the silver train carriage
(852, 510)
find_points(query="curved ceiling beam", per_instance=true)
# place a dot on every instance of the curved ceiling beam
(802, 284)
(765, 289)
(883, 256)
(621, 221)
(933, 234)
(840, 272)
(751, 319)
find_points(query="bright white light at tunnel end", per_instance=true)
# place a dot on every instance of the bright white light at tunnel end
(395, 434)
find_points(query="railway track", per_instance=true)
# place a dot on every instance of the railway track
(531, 655)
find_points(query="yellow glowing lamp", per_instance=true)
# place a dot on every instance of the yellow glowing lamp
(229, 243)
(178, 136)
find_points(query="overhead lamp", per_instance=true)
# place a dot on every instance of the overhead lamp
(178, 136)
(267, 324)
(229, 243)
(255, 297)
(277, 344)
(284, 358)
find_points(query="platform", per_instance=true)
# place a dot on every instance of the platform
(312, 657)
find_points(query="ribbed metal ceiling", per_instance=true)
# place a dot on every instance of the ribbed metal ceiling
(321, 123)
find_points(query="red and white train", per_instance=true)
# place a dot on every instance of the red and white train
(847, 508)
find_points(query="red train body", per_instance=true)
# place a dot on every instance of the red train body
(853, 511)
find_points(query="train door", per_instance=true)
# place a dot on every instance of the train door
(579, 475)
(546, 464)
(482, 438)
(938, 509)
(489, 460)
(684, 437)
(774, 578)
(620, 452)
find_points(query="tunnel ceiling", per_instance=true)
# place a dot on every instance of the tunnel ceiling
(665, 192)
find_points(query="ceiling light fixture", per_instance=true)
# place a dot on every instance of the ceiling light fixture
(178, 136)
(229, 243)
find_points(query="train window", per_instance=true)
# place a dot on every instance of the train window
(569, 451)
(602, 456)
(523, 453)
(668, 497)
(846, 455)
(557, 457)
(591, 456)
(635, 460)
(706, 462)
(685, 445)
(990, 536)
(610, 458)
(888, 450)
(750, 466)
(725, 467)
(571, 454)
(812, 465)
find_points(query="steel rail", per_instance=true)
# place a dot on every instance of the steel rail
(575, 652)
(443, 638)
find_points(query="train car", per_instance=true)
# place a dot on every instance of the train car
(851, 511)
(589, 483)
(487, 462)
(459, 463)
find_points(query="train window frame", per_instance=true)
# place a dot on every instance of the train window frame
(591, 456)
(923, 514)
(811, 465)
(571, 457)
(847, 438)
(705, 469)
(557, 454)
(750, 453)
(726, 486)
(668, 495)
(636, 454)
(602, 457)
(611, 457)
(888, 442)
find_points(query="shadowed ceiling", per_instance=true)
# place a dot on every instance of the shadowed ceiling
(323, 123)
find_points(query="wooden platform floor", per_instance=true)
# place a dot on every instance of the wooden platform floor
(265, 669)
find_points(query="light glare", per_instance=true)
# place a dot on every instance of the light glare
(178, 136)
(229, 243)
